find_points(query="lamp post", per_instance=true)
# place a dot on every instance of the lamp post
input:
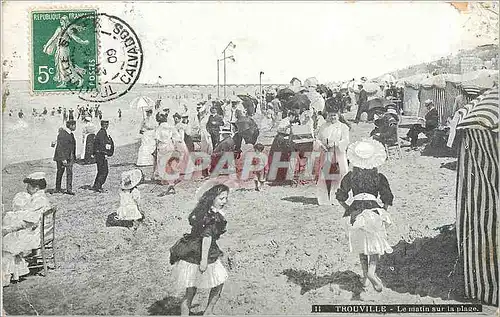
(230, 44)
(260, 86)
(218, 61)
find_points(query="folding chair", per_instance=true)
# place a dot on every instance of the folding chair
(394, 145)
(47, 236)
(302, 139)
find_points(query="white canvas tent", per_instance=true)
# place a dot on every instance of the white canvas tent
(411, 85)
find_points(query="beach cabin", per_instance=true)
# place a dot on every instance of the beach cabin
(411, 86)
(444, 88)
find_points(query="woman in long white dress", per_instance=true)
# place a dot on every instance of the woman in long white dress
(164, 148)
(200, 128)
(180, 144)
(65, 70)
(21, 227)
(206, 140)
(148, 144)
(332, 141)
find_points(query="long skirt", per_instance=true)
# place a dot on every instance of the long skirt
(367, 234)
(148, 145)
(165, 152)
(188, 275)
(281, 145)
(13, 266)
(206, 142)
(326, 188)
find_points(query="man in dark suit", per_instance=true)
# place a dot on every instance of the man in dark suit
(103, 147)
(65, 156)
(431, 123)
(362, 103)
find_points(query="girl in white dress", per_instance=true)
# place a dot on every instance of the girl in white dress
(365, 217)
(130, 196)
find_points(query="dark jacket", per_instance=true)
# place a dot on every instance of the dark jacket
(432, 119)
(363, 97)
(101, 139)
(66, 146)
(226, 145)
(391, 92)
(387, 130)
(214, 123)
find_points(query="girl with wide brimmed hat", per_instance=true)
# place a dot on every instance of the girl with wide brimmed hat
(130, 196)
(365, 217)
(196, 255)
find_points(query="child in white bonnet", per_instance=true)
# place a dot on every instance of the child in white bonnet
(130, 196)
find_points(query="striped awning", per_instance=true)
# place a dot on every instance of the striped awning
(481, 113)
(472, 90)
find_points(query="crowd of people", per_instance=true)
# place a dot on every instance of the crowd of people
(307, 118)
(80, 113)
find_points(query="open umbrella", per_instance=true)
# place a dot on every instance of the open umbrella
(249, 103)
(285, 93)
(299, 101)
(324, 89)
(142, 102)
(248, 98)
(379, 103)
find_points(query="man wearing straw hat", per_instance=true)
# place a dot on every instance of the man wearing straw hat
(426, 126)
(362, 100)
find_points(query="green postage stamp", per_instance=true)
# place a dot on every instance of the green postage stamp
(64, 50)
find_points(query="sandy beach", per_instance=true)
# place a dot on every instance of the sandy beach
(283, 252)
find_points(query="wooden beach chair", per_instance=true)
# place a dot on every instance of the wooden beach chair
(41, 256)
(302, 140)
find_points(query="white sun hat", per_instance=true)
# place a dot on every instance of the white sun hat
(367, 154)
(131, 178)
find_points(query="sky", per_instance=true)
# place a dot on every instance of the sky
(331, 41)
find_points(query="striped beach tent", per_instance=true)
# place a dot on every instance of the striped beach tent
(477, 196)
(434, 88)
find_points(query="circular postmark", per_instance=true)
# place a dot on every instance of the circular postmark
(113, 67)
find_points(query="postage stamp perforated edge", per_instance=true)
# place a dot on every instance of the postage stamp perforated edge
(29, 37)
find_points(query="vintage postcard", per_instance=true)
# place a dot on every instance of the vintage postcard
(249, 158)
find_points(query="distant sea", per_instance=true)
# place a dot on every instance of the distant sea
(30, 138)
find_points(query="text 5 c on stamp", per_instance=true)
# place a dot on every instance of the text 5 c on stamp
(63, 54)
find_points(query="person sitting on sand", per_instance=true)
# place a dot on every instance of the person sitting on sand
(21, 227)
(365, 218)
(196, 256)
(130, 196)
